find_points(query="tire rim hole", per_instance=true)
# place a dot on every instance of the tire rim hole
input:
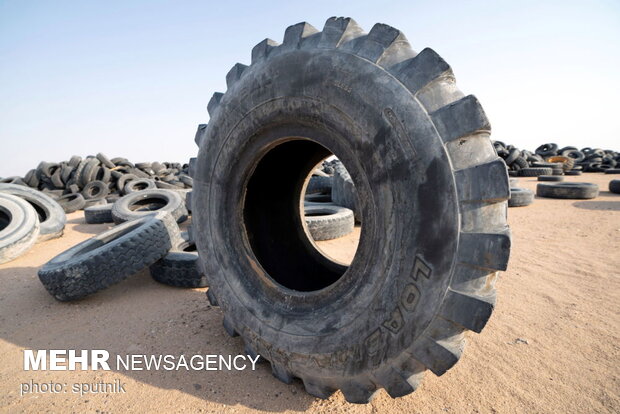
(148, 204)
(275, 225)
(5, 219)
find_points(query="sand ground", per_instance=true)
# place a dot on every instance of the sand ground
(551, 346)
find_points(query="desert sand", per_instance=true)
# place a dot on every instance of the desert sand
(551, 346)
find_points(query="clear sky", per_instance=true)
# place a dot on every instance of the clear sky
(133, 78)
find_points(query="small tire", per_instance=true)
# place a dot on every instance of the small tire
(179, 267)
(19, 227)
(139, 185)
(95, 190)
(567, 190)
(327, 222)
(143, 203)
(573, 172)
(535, 172)
(71, 202)
(52, 218)
(550, 178)
(614, 186)
(109, 257)
(99, 214)
(520, 197)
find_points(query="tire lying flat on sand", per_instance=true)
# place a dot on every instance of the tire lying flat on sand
(567, 190)
(139, 204)
(19, 227)
(327, 222)
(109, 257)
(419, 153)
(52, 217)
(520, 197)
(180, 266)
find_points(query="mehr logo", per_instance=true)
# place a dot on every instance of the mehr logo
(65, 360)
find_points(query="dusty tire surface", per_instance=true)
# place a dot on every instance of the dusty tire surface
(99, 214)
(520, 197)
(408, 137)
(71, 202)
(614, 186)
(19, 227)
(179, 267)
(109, 257)
(52, 217)
(327, 222)
(146, 202)
(567, 190)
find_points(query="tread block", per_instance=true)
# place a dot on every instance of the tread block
(234, 74)
(394, 381)
(380, 38)
(358, 392)
(419, 71)
(438, 356)
(460, 119)
(468, 310)
(296, 33)
(485, 250)
(214, 103)
(261, 50)
(202, 128)
(230, 329)
(315, 388)
(281, 373)
(251, 352)
(485, 182)
(211, 297)
(337, 31)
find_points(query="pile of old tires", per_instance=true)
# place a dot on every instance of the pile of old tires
(549, 159)
(94, 180)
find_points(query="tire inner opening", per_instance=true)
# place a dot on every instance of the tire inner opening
(148, 204)
(273, 218)
(5, 219)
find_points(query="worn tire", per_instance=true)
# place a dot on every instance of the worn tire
(432, 201)
(109, 257)
(95, 190)
(567, 190)
(614, 186)
(139, 185)
(19, 227)
(71, 202)
(327, 222)
(180, 266)
(535, 172)
(99, 214)
(143, 203)
(319, 185)
(520, 197)
(52, 217)
(344, 193)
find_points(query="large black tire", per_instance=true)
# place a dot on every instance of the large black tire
(180, 266)
(143, 203)
(520, 197)
(614, 186)
(19, 227)
(52, 217)
(327, 222)
(109, 257)
(432, 195)
(567, 190)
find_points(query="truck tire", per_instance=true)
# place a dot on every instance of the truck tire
(179, 267)
(432, 198)
(142, 203)
(109, 257)
(520, 197)
(19, 227)
(567, 190)
(99, 214)
(52, 217)
(327, 222)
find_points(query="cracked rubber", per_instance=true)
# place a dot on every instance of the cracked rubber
(109, 257)
(19, 227)
(179, 267)
(432, 199)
